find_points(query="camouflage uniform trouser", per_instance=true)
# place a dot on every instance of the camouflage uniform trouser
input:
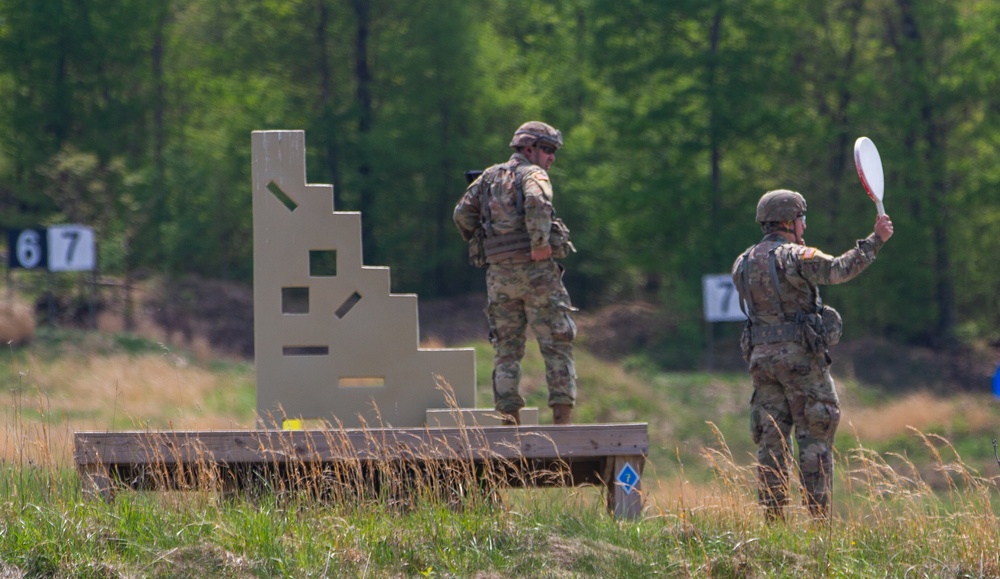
(530, 293)
(793, 388)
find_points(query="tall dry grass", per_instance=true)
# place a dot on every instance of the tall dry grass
(48, 400)
(17, 322)
(892, 516)
(329, 463)
(888, 520)
(921, 411)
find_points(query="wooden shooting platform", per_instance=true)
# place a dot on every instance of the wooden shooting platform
(333, 346)
(608, 455)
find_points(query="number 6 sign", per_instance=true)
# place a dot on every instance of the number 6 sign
(27, 248)
(57, 248)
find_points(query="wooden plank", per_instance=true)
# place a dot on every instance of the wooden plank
(625, 497)
(272, 446)
(473, 417)
(525, 455)
(96, 481)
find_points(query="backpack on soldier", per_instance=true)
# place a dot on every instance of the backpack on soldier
(484, 244)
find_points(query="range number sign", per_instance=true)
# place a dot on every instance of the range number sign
(56, 248)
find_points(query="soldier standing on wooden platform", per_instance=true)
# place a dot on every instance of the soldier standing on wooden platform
(785, 343)
(506, 216)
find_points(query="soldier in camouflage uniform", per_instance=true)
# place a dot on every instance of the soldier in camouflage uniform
(510, 205)
(785, 343)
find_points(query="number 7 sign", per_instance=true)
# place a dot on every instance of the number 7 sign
(71, 248)
(722, 301)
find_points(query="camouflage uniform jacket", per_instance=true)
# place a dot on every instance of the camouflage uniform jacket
(800, 269)
(534, 217)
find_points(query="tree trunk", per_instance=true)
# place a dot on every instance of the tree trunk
(363, 77)
(325, 106)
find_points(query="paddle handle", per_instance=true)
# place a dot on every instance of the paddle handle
(879, 207)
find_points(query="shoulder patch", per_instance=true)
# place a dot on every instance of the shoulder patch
(810, 253)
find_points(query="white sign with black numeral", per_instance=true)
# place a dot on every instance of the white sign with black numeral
(71, 248)
(722, 301)
(56, 248)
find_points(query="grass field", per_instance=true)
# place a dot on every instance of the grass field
(915, 494)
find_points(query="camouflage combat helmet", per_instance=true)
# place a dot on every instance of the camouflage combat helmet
(780, 205)
(534, 131)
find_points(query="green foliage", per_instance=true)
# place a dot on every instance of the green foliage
(677, 117)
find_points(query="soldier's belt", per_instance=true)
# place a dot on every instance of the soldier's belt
(774, 333)
(507, 243)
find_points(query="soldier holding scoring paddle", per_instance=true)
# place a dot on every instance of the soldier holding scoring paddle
(785, 344)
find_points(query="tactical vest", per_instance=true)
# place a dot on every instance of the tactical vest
(816, 328)
(502, 182)
(789, 326)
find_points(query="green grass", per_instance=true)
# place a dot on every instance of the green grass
(552, 533)
(914, 503)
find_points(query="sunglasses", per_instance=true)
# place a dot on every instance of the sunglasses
(548, 150)
(803, 218)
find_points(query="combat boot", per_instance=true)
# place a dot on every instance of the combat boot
(512, 418)
(561, 413)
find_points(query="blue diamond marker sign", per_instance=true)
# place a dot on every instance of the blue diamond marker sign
(628, 478)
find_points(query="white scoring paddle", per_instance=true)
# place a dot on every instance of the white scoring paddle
(869, 164)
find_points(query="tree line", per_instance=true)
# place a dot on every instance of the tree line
(135, 118)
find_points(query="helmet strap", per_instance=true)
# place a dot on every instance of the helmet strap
(783, 228)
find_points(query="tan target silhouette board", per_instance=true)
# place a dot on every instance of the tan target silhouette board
(331, 343)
